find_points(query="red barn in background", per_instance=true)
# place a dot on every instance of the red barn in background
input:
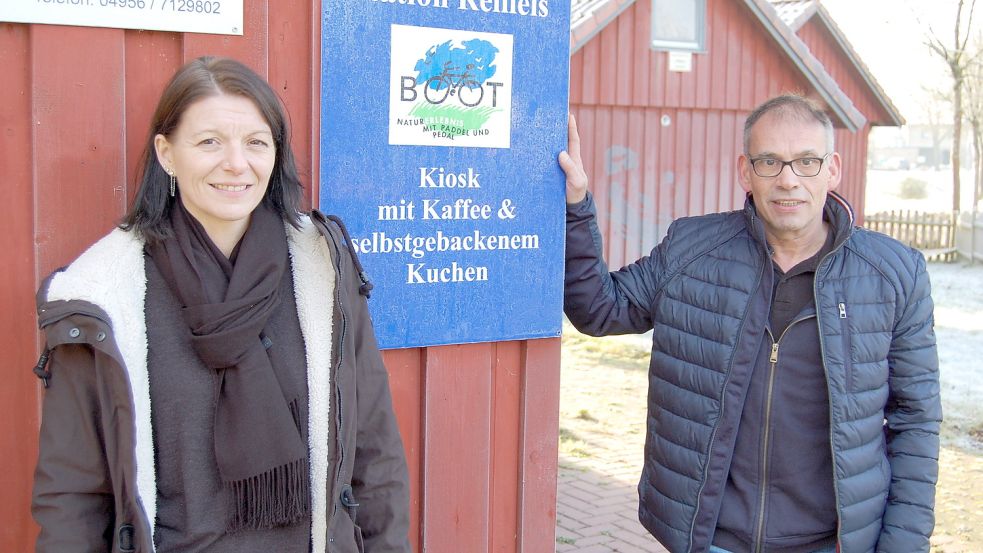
(661, 143)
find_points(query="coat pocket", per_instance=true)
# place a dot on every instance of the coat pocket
(358, 539)
(351, 506)
(345, 536)
(847, 339)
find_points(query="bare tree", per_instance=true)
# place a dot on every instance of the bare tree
(974, 116)
(958, 58)
(937, 118)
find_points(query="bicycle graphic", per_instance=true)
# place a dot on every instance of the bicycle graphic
(451, 82)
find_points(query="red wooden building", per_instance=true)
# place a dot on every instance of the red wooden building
(661, 144)
(479, 421)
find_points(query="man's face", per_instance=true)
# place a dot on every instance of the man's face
(790, 206)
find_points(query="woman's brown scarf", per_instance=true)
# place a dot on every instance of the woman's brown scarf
(260, 454)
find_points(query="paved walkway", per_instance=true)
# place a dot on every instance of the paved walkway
(602, 415)
(597, 503)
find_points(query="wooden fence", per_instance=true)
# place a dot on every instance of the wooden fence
(932, 233)
(969, 236)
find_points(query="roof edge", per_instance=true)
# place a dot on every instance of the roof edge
(585, 29)
(804, 16)
(810, 67)
(896, 119)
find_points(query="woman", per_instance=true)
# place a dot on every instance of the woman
(213, 380)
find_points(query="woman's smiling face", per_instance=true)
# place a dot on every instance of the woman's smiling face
(222, 153)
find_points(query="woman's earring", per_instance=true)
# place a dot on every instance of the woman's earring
(173, 181)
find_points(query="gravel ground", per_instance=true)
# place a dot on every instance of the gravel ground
(957, 289)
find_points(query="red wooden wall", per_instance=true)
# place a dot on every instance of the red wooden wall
(479, 422)
(645, 174)
(853, 150)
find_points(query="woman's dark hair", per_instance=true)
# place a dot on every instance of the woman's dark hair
(198, 79)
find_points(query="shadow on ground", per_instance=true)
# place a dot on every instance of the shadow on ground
(597, 506)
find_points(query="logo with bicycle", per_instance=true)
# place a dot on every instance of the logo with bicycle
(457, 91)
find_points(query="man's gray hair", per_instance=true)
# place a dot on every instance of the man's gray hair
(790, 106)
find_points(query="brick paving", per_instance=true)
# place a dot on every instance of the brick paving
(602, 418)
(597, 504)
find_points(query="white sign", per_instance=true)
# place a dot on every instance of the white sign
(450, 88)
(680, 62)
(223, 17)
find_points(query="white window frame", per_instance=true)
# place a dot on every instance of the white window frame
(698, 44)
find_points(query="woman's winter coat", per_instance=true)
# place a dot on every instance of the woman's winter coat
(94, 484)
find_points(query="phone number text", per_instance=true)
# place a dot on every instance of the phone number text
(187, 6)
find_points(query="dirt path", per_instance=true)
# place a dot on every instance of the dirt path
(959, 503)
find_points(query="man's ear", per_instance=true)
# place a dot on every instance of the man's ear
(744, 172)
(834, 167)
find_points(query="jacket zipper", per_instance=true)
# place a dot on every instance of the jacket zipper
(772, 361)
(829, 394)
(337, 390)
(822, 353)
(772, 364)
(847, 346)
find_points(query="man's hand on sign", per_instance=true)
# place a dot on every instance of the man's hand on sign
(573, 165)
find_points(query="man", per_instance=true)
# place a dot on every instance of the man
(793, 401)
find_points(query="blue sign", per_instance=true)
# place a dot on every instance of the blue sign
(440, 125)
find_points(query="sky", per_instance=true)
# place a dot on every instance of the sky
(890, 36)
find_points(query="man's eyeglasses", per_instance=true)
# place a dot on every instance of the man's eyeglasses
(803, 167)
